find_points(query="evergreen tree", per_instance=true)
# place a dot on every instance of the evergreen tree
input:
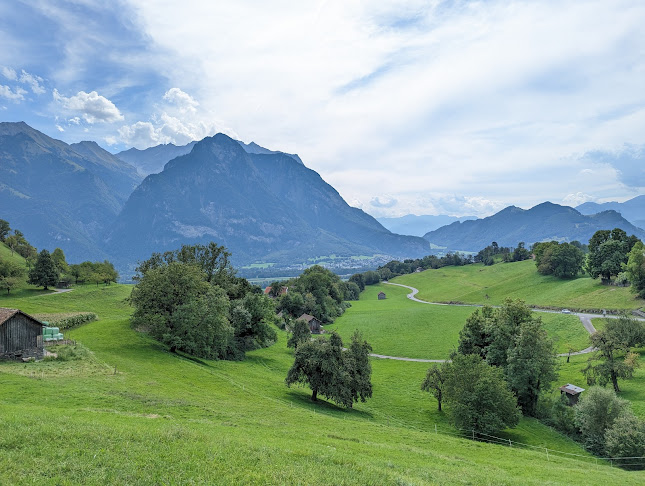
(44, 272)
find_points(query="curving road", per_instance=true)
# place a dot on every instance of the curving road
(585, 319)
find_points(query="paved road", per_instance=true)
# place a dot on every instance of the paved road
(585, 319)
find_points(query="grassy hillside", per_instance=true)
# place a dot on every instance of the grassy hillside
(478, 284)
(164, 418)
(397, 326)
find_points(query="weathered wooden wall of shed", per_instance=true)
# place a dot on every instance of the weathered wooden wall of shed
(19, 333)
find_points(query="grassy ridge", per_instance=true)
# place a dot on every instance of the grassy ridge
(478, 284)
(164, 418)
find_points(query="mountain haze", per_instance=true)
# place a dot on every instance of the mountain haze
(544, 222)
(414, 225)
(632, 210)
(58, 194)
(261, 206)
(153, 159)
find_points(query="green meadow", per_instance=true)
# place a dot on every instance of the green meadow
(130, 412)
(478, 284)
(397, 326)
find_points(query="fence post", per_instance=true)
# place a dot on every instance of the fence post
(473, 431)
(510, 443)
(435, 428)
(547, 454)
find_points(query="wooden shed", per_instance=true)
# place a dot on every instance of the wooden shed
(315, 326)
(572, 391)
(381, 295)
(21, 336)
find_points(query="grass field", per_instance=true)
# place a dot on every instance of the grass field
(478, 284)
(397, 326)
(164, 418)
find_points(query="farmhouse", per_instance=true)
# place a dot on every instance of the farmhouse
(381, 295)
(315, 326)
(572, 391)
(21, 336)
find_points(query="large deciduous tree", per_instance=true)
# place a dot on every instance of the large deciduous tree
(343, 376)
(608, 251)
(44, 273)
(477, 396)
(613, 358)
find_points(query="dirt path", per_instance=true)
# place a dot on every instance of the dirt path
(585, 319)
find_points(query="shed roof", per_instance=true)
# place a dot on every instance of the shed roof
(570, 389)
(306, 317)
(6, 314)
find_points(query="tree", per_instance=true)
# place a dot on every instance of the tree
(11, 274)
(635, 268)
(626, 437)
(44, 272)
(318, 364)
(613, 358)
(58, 257)
(343, 376)
(357, 363)
(478, 397)
(596, 413)
(531, 366)
(512, 338)
(299, 334)
(435, 380)
(608, 251)
(161, 292)
(4, 230)
(252, 317)
(200, 326)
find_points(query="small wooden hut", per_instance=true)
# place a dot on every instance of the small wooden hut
(381, 295)
(315, 326)
(572, 391)
(21, 336)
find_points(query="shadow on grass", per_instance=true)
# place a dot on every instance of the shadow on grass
(302, 397)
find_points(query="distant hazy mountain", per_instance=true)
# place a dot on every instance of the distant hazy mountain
(260, 206)
(414, 225)
(543, 222)
(57, 194)
(632, 210)
(153, 159)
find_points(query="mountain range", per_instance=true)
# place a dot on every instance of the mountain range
(632, 210)
(59, 194)
(262, 205)
(414, 225)
(544, 222)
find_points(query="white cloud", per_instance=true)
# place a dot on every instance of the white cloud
(59, 128)
(178, 122)
(577, 199)
(35, 82)
(415, 97)
(182, 100)
(13, 95)
(76, 120)
(92, 107)
(110, 140)
(385, 201)
(9, 73)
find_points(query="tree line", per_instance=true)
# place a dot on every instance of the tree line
(46, 269)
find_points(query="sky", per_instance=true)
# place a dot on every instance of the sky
(405, 107)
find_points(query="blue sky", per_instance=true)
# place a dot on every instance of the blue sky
(424, 107)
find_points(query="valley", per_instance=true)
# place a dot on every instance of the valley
(231, 422)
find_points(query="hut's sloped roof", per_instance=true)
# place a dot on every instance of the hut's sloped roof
(6, 314)
(571, 389)
(306, 317)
